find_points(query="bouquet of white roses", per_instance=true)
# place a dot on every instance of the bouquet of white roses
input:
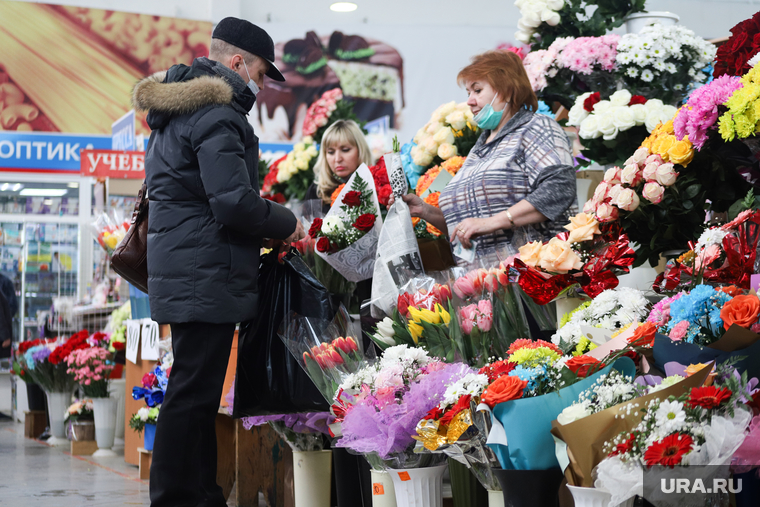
(662, 61)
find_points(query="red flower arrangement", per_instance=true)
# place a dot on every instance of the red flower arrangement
(497, 369)
(583, 365)
(382, 185)
(669, 451)
(744, 43)
(77, 341)
(708, 397)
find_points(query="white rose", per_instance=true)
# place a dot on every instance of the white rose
(630, 175)
(431, 146)
(444, 136)
(666, 175)
(531, 16)
(627, 199)
(602, 107)
(654, 118)
(652, 104)
(668, 112)
(422, 158)
(615, 192)
(590, 128)
(448, 108)
(640, 155)
(573, 413)
(612, 175)
(446, 151)
(620, 98)
(639, 113)
(522, 36)
(332, 224)
(555, 5)
(550, 17)
(653, 192)
(607, 125)
(433, 127)
(650, 171)
(623, 118)
(576, 115)
(457, 120)
(601, 192)
(420, 135)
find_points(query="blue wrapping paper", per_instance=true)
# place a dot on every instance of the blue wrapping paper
(666, 350)
(527, 422)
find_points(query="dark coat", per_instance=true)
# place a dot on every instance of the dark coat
(206, 217)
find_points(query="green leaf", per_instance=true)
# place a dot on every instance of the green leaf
(692, 190)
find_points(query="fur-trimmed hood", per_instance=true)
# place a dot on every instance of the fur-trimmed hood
(181, 97)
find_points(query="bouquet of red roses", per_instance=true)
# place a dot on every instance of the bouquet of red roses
(734, 55)
(347, 237)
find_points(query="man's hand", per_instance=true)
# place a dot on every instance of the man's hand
(297, 234)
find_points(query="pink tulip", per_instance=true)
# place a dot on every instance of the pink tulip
(467, 318)
(485, 315)
(464, 287)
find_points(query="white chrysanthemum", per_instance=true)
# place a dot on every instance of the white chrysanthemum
(472, 384)
(670, 417)
(647, 75)
(404, 355)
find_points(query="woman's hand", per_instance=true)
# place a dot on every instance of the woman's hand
(415, 202)
(471, 228)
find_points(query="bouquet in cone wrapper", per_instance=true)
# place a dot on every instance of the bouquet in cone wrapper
(347, 237)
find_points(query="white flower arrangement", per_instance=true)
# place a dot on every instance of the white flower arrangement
(399, 365)
(612, 310)
(473, 384)
(436, 138)
(607, 118)
(534, 13)
(297, 160)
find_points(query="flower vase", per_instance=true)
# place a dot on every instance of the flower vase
(589, 497)
(466, 490)
(58, 403)
(311, 478)
(383, 493)
(418, 487)
(149, 436)
(35, 396)
(104, 410)
(116, 390)
(529, 488)
(495, 498)
(80, 431)
(635, 22)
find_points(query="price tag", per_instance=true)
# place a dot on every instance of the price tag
(150, 340)
(597, 335)
(133, 340)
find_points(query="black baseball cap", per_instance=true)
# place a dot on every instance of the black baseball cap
(248, 37)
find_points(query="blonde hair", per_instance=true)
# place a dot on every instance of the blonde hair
(342, 131)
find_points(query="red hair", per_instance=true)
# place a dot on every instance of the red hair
(504, 71)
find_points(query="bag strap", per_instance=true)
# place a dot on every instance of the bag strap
(142, 202)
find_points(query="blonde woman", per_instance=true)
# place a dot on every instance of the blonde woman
(342, 151)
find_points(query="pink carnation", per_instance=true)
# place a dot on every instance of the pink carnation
(700, 114)
(679, 331)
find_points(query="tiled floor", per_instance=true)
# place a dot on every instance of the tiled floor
(33, 474)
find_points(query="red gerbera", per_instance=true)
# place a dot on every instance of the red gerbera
(708, 397)
(625, 446)
(462, 404)
(434, 414)
(669, 451)
(497, 369)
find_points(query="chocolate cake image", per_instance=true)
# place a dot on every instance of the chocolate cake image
(369, 72)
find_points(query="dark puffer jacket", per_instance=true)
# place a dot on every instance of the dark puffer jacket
(206, 216)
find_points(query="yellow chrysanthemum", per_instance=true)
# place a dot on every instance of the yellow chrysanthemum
(584, 345)
(531, 358)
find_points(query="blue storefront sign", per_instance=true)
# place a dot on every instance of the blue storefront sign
(123, 133)
(46, 152)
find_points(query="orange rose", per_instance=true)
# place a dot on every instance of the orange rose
(742, 310)
(432, 199)
(415, 221)
(503, 389)
(731, 290)
(336, 193)
(644, 335)
(581, 365)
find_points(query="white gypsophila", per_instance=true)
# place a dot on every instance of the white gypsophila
(472, 384)
(670, 416)
(713, 236)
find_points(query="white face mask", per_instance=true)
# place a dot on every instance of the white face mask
(251, 83)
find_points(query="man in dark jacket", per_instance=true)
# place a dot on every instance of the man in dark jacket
(206, 226)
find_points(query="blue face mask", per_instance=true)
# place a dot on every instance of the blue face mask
(487, 118)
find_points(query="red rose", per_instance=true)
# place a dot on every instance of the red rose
(316, 227)
(384, 194)
(352, 198)
(591, 100)
(637, 99)
(582, 365)
(323, 244)
(365, 222)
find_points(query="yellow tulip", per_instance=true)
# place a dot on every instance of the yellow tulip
(419, 315)
(445, 316)
(416, 331)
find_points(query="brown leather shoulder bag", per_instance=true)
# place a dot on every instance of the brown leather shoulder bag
(130, 258)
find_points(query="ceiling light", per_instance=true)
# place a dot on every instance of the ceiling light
(343, 7)
(44, 192)
(17, 187)
(73, 184)
(4, 187)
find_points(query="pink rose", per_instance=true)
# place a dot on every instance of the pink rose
(650, 171)
(639, 156)
(653, 192)
(612, 175)
(654, 159)
(601, 192)
(666, 175)
(630, 175)
(615, 192)
(606, 212)
(627, 199)
(679, 331)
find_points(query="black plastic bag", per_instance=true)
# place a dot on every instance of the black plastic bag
(269, 380)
